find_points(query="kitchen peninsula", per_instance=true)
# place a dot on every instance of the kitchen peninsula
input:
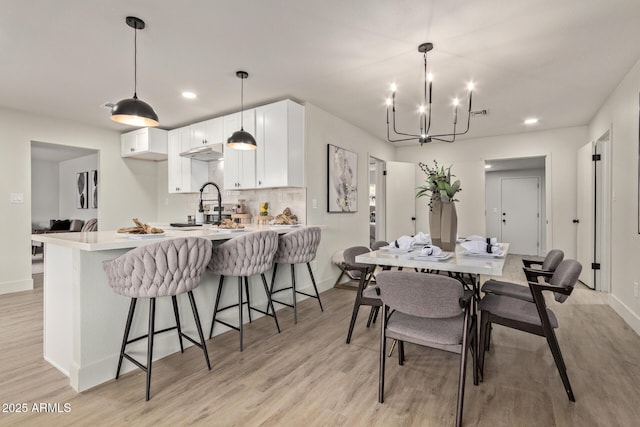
(84, 318)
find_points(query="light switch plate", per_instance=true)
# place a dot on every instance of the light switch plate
(16, 198)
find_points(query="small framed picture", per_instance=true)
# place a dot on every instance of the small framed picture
(82, 186)
(93, 189)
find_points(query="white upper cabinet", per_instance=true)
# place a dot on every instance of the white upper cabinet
(207, 133)
(184, 174)
(144, 143)
(239, 165)
(280, 138)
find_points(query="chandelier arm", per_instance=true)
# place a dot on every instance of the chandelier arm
(397, 132)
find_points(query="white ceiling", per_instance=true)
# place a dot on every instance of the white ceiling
(556, 60)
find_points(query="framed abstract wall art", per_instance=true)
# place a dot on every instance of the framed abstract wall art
(342, 180)
(82, 190)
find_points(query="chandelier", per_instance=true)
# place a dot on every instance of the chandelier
(425, 111)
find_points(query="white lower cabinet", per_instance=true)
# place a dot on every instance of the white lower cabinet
(185, 175)
(239, 165)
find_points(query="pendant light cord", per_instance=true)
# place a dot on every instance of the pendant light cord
(135, 63)
(242, 104)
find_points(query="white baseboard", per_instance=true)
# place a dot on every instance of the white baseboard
(16, 286)
(632, 319)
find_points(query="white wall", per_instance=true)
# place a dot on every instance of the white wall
(493, 201)
(620, 113)
(68, 187)
(344, 229)
(467, 158)
(44, 192)
(127, 186)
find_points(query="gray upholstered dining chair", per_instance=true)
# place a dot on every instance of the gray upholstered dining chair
(244, 256)
(429, 310)
(166, 268)
(514, 290)
(532, 317)
(365, 294)
(296, 247)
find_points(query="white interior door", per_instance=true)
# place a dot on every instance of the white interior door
(585, 213)
(400, 200)
(520, 222)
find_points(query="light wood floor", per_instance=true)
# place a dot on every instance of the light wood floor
(308, 376)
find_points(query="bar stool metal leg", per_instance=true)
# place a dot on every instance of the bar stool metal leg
(315, 288)
(215, 307)
(270, 301)
(152, 317)
(199, 327)
(177, 316)
(127, 329)
(293, 286)
(240, 309)
(246, 288)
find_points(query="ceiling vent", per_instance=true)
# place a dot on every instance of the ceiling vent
(479, 113)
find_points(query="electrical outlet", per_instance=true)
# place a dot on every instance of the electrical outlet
(635, 289)
(314, 203)
(16, 198)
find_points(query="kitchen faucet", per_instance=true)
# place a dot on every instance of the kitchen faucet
(201, 207)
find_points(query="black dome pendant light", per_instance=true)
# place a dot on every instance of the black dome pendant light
(241, 140)
(133, 111)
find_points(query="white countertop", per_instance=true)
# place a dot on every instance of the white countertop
(107, 240)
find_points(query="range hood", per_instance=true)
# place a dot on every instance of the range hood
(207, 153)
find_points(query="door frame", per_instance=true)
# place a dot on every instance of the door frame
(606, 139)
(547, 225)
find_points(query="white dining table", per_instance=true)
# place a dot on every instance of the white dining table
(458, 263)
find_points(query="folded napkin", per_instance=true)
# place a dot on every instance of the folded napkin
(431, 251)
(422, 239)
(476, 238)
(404, 242)
(479, 247)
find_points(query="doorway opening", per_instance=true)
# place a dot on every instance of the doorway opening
(516, 203)
(377, 206)
(64, 187)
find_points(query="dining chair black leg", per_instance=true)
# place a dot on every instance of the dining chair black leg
(375, 314)
(484, 325)
(196, 318)
(354, 316)
(127, 329)
(463, 370)
(383, 348)
(152, 318)
(370, 316)
(177, 316)
(557, 357)
(400, 352)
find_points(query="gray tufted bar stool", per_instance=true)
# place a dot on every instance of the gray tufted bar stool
(244, 256)
(167, 268)
(297, 247)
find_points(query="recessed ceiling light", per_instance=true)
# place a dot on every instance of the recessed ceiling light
(487, 166)
(531, 121)
(189, 95)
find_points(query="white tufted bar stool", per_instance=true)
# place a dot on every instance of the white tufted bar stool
(297, 247)
(167, 268)
(244, 256)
